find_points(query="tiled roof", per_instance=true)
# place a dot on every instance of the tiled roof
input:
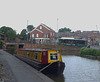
(43, 31)
(47, 27)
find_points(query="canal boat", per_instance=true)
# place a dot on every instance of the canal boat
(44, 60)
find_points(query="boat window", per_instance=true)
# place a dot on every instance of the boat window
(36, 55)
(28, 54)
(24, 53)
(44, 53)
(54, 56)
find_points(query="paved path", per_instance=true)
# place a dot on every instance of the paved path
(23, 72)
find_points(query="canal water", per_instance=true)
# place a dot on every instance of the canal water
(79, 69)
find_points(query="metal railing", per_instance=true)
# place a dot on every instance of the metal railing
(45, 67)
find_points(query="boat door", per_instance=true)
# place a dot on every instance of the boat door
(44, 58)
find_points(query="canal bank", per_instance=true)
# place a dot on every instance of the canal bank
(90, 53)
(20, 71)
(91, 57)
(64, 49)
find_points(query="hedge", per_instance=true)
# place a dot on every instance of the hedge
(89, 51)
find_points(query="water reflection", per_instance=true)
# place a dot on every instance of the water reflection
(60, 78)
(79, 69)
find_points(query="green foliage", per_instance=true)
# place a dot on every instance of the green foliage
(1, 32)
(23, 34)
(98, 53)
(8, 32)
(89, 51)
(12, 50)
(28, 35)
(18, 36)
(1, 43)
(11, 34)
(82, 51)
(65, 29)
(30, 28)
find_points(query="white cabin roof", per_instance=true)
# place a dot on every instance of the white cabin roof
(66, 38)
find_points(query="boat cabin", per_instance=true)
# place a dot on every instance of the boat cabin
(41, 55)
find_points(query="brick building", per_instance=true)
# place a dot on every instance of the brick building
(42, 33)
(91, 36)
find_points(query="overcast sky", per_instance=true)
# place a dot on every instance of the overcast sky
(74, 14)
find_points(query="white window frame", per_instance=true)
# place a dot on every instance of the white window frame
(53, 34)
(44, 35)
(37, 35)
(32, 35)
(40, 27)
(50, 33)
(53, 53)
(47, 35)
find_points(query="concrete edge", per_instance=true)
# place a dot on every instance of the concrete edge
(41, 75)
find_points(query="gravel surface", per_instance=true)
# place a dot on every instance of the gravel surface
(15, 70)
(6, 74)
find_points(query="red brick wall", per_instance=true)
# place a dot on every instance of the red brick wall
(49, 31)
(65, 50)
(41, 35)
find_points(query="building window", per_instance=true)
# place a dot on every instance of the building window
(50, 33)
(36, 56)
(33, 35)
(40, 27)
(28, 54)
(44, 35)
(53, 34)
(47, 35)
(24, 53)
(37, 35)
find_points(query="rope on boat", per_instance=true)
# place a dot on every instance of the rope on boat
(46, 67)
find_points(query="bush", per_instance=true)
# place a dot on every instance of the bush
(83, 51)
(98, 53)
(89, 51)
(1, 43)
(12, 50)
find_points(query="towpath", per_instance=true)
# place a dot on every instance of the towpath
(18, 71)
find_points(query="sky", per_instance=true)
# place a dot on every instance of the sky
(81, 15)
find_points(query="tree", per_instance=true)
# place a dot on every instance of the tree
(18, 35)
(30, 28)
(1, 42)
(23, 34)
(8, 32)
(65, 29)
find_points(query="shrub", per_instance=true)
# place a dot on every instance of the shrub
(93, 52)
(98, 53)
(12, 50)
(89, 51)
(1, 43)
(82, 51)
